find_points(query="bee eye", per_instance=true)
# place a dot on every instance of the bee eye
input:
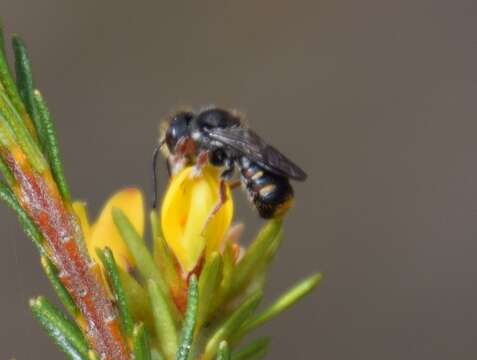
(170, 140)
(178, 128)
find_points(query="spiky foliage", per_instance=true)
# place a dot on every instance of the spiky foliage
(145, 304)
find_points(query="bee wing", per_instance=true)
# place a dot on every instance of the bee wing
(250, 144)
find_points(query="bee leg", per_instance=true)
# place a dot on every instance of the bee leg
(228, 173)
(234, 184)
(185, 146)
(175, 164)
(229, 169)
(222, 200)
(184, 149)
(202, 159)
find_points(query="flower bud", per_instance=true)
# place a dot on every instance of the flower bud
(187, 226)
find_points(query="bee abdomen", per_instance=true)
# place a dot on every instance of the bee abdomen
(271, 194)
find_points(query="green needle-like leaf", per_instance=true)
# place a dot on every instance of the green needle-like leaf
(25, 84)
(255, 255)
(107, 258)
(27, 224)
(6, 78)
(141, 348)
(238, 317)
(142, 256)
(7, 136)
(273, 249)
(12, 118)
(226, 282)
(257, 349)
(164, 321)
(162, 254)
(138, 249)
(138, 300)
(50, 141)
(7, 174)
(187, 335)
(61, 292)
(224, 351)
(64, 333)
(155, 355)
(259, 274)
(280, 305)
(209, 282)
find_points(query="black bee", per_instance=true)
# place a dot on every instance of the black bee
(219, 137)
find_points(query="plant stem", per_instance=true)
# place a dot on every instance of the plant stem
(39, 197)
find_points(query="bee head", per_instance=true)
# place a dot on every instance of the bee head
(177, 129)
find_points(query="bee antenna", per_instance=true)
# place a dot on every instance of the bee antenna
(155, 155)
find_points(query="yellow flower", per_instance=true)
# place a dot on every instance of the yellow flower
(186, 207)
(103, 233)
(187, 204)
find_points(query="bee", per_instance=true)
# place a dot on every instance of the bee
(220, 138)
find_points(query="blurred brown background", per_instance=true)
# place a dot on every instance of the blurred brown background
(376, 99)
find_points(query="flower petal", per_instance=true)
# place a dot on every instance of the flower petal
(185, 209)
(104, 232)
